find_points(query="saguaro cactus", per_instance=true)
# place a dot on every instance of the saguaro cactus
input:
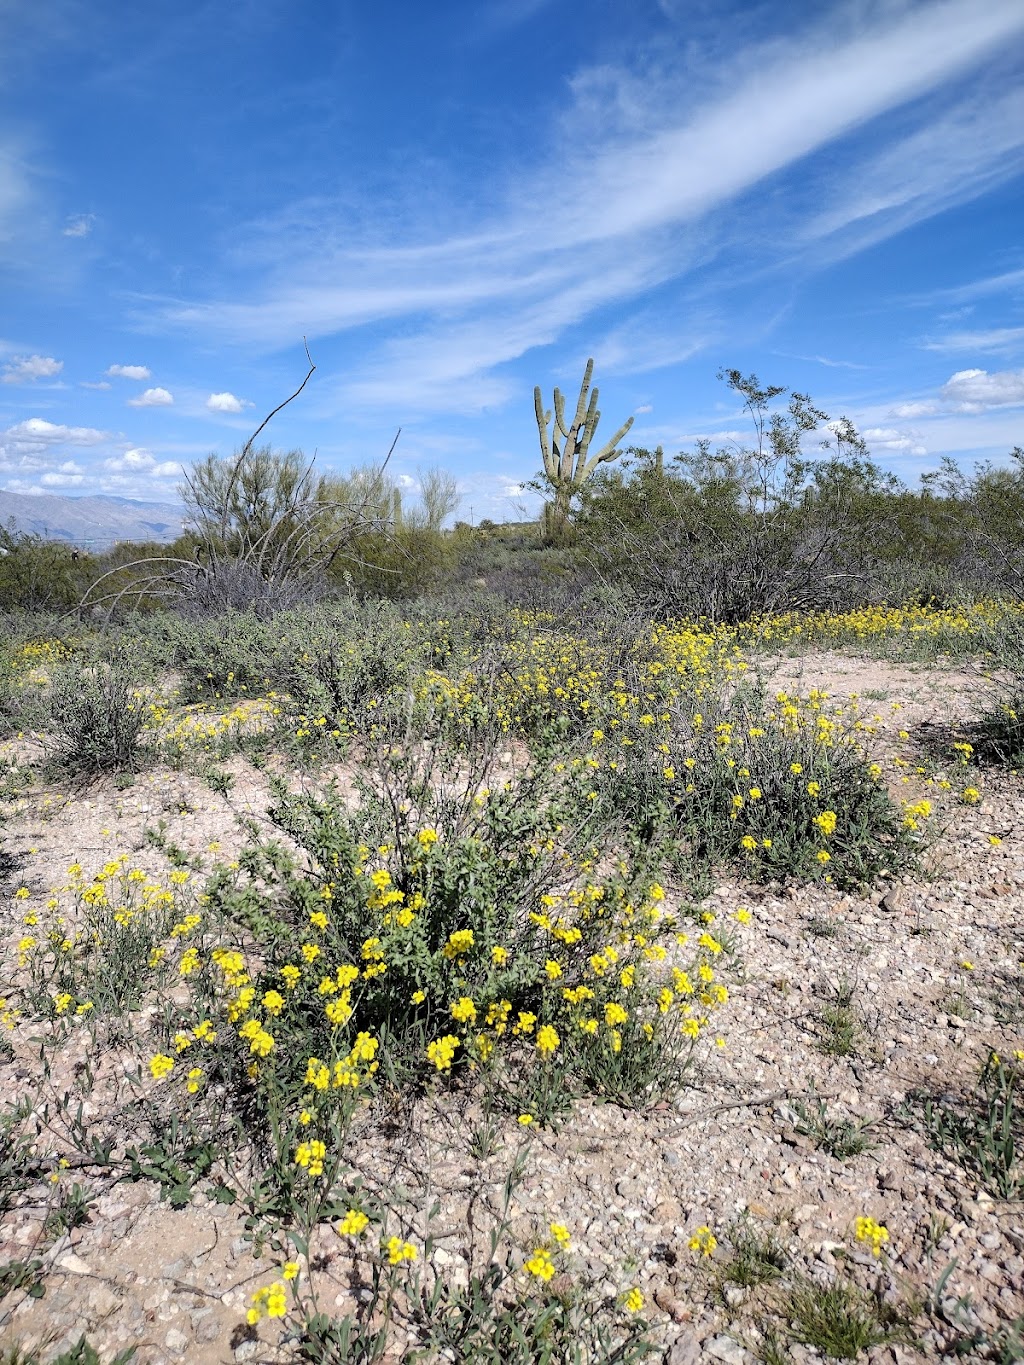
(567, 459)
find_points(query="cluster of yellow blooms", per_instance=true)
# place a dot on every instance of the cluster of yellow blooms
(952, 625)
(874, 1234)
(550, 677)
(110, 912)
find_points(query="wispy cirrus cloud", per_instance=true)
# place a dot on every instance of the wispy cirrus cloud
(1007, 282)
(990, 339)
(79, 225)
(16, 193)
(962, 152)
(635, 185)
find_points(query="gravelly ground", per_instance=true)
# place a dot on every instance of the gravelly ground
(634, 1187)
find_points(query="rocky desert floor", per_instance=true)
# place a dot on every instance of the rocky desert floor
(844, 1011)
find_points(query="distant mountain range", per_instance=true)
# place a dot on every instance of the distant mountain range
(94, 523)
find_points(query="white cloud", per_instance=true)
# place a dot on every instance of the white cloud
(226, 402)
(644, 407)
(994, 339)
(887, 438)
(129, 372)
(30, 445)
(152, 398)
(79, 225)
(136, 458)
(925, 408)
(978, 390)
(26, 369)
(59, 479)
(167, 469)
(100, 384)
(37, 433)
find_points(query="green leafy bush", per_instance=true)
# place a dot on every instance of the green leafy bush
(782, 789)
(97, 717)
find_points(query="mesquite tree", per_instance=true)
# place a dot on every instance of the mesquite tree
(568, 463)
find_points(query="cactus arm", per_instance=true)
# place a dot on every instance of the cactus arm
(543, 418)
(562, 447)
(581, 429)
(581, 406)
(586, 436)
(607, 451)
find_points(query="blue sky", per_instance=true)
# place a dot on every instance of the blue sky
(455, 202)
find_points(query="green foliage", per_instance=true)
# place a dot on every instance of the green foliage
(37, 574)
(70, 1211)
(840, 1320)
(782, 788)
(840, 1031)
(113, 954)
(789, 797)
(982, 515)
(17, 1167)
(758, 1257)
(747, 531)
(176, 1160)
(97, 717)
(254, 501)
(998, 735)
(434, 941)
(985, 1131)
(26, 1274)
(840, 1137)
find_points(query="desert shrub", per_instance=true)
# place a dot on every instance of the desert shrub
(37, 574)
(790, 794)
(783, 789)
(107, 945)
(981, 518)
(10, 693)
(97, 716)
(449, 926)
(405, 563)
(739, 532)
(226, 656)
(998, 735)
(345, 660)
